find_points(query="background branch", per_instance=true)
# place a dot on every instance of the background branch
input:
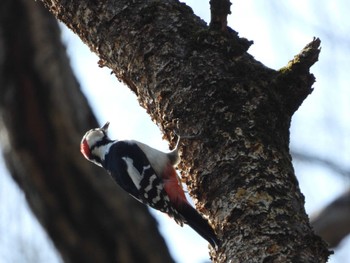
(311, 158)
(43, 116)
(332, 223)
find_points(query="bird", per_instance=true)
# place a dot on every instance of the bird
(148, 175)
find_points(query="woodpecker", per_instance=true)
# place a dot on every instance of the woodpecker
(148, 175)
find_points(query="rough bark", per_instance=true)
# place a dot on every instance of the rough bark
(43, 116)
(197, 81)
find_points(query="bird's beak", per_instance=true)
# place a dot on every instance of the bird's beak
(105, 127)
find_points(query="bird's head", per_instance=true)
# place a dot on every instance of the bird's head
(93, 142)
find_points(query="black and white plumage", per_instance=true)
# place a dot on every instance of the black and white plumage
(147, 174)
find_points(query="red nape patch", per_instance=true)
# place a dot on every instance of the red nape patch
(85, 150)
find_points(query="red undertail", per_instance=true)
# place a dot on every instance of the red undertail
(173, 187)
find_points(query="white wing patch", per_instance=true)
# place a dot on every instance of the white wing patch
(150, 185)
(133, 172)
(158, 159)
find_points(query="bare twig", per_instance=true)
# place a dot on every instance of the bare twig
(220, 9)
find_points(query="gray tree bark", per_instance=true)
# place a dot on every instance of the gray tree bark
(200, 81)
(43, 116)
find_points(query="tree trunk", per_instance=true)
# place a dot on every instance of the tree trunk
(43, 116)
(197, 81)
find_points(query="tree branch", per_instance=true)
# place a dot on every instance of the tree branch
(43, 115)
(332, 223)
(196, 81)
(294, 81)
(322, 161)
(220, 9)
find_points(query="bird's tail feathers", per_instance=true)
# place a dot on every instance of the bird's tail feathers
(200, 225)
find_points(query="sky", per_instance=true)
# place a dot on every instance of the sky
(279, 29)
